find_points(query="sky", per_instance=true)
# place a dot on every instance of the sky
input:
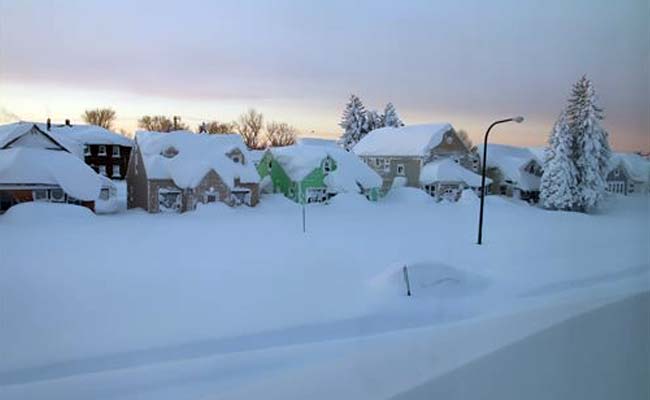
(463, 62)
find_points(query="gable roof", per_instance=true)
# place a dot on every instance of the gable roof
(447, 170)
(511, 160)
(300, 160)
(197, 155)
(10, 133)
(21, 165)
(410, 140)
(637, 166)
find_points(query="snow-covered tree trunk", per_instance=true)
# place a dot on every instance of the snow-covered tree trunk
(353, 122)
(390, 117)
(591, 147)
(558, 189)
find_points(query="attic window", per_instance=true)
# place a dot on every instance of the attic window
(102, 150)
(449, 139)
(169, 152)
(270, 164)
(327, 165)
(236, 159)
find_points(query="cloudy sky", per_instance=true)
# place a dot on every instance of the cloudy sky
(465, 62)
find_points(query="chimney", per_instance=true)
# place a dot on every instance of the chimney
(49, 124)
(202, 127)
(67, 122)
(175, 122)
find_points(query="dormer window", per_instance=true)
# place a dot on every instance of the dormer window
(116, 151)
(270, 164)
(328, 165)
(102, 150)
(236, 156)
(169, 152)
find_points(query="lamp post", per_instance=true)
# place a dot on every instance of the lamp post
(485, 140)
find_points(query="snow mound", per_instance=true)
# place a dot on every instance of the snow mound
(407, 195)
(428, 279)
(349, 200)
(36, 212)
(469, 197)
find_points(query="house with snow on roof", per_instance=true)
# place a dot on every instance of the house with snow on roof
(308, 173)
(106, 152)
(173, 172)
(417, 155)
(36, 165)
(515, 171)
(628, 174)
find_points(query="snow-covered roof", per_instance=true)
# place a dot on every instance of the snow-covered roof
(21, 165)
(197, 154)
(13, 131)
(511, 160)
(637, 166)
(447, 170)
(410, 140)
(92, 134)
(300, 160)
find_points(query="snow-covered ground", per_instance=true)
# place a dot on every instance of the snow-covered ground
(240, 303)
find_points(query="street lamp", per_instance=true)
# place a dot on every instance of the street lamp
(485, 140)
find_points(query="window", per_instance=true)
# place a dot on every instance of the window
(102, 150)
(57, 195)
(102, 170)
(86, 150)
(449, 139)
(327, 165)
(104, 194)
(116, 151)
(116, 170)
(270, 165)
(40, 195)
(378, 162)
(400, 169)
(386, 164)
(236, 159)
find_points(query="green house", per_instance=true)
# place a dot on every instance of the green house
(312, 174)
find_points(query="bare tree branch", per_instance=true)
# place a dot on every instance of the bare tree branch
(103, 117)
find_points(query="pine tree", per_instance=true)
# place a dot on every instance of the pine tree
(558, 188)
(391, 118)
(353, 122)
(591, 150)
(373, 120)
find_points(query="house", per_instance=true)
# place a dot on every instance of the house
(36, 166)
(313, 173)
(400, 156)
(106, 152)
(629, 174)
(515, 171)
(173, 172)
(445, 179)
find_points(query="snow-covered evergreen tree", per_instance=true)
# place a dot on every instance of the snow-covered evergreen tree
(353, 122)
(558, 189)
(591, 146)
(373, 120)
(390, 117)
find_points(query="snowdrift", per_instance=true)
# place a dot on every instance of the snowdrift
(428, 279)
(35, 212)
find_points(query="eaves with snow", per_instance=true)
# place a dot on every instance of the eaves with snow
(410, 140)
(186, 157)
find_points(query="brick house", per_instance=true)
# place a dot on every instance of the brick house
(173, 172)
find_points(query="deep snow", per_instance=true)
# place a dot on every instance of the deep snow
(209, 302)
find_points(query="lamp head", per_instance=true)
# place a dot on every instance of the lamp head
(518, 119)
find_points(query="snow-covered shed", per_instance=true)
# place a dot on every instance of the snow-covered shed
(629, 173)
(515, 171)
(399, 155)
(175, 171)
(314, 173)
(36, 166)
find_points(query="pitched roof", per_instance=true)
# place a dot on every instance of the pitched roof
(447, 170)
(410, 140)
(511, 161)
(637, 166)
(197, 155)
(21, 165)
(12, 132)
(300, 160)
(92, 134)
